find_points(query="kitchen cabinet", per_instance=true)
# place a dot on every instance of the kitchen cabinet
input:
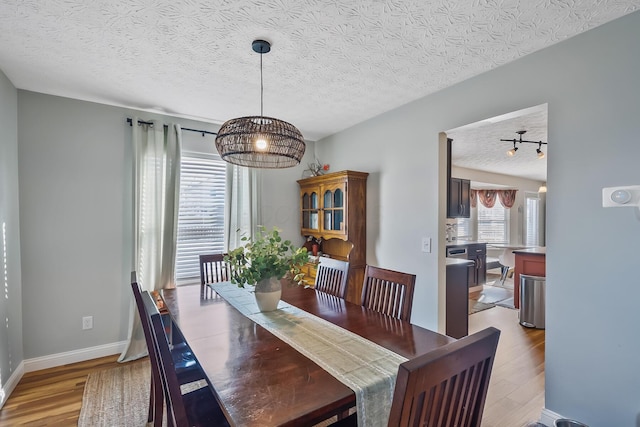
(478, 254)
(333, 209)
(475, 252)
(458, 191)
(457, 297)
(458, 199)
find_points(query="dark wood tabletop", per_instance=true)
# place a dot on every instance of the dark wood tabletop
(262, 381)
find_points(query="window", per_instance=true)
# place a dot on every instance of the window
(201, 213)
(465, 227)
(485, 225)
(493, 224)
(533, 220)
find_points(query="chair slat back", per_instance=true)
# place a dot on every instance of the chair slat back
(448, 386)
(331, 276)
(213, 269)
(388, 292)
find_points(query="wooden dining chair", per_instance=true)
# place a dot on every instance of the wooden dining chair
(331, 276)
(388, 292)
(155, 389)
(187, 404)
(213, 269)
(445, 387)
(181, 353)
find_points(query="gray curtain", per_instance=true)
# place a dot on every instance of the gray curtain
(243, 204)
(156, 188)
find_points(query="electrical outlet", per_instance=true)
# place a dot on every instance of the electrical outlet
(426, 244)
(87, 322)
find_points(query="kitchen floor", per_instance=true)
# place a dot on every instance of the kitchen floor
(516, 390)
(494, 291)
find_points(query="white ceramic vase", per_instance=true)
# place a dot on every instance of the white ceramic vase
(268, 293)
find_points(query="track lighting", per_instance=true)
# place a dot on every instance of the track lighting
(512, 152)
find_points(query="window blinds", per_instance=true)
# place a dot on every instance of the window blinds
(201, 213)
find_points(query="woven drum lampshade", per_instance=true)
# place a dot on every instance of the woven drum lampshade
(260, 142)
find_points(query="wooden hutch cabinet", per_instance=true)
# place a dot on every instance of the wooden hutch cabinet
(333, 207)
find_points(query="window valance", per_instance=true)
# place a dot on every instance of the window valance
(488, 197)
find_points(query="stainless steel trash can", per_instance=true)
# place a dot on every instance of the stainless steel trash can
(532, 301)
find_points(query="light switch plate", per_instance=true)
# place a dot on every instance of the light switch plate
(426, 244)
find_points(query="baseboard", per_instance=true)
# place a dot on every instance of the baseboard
(74, 356)
(12, 382)
(548, 417)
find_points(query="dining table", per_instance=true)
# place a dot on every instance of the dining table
(260, 379)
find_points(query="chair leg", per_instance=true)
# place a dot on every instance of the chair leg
(505, 271)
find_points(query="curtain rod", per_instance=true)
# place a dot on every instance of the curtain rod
(142, 122)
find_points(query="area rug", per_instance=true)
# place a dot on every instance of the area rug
(117, 397)
(476, 306)
(508, 303)
(492, 294)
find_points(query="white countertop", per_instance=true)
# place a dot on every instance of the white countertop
(458, 261)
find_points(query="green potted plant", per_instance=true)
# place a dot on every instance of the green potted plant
(262, 262)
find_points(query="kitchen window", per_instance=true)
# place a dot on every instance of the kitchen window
(493, 224)
(489, 225)
(533, 219)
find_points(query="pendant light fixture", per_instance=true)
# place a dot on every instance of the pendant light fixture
(512, 152)
(259, 141)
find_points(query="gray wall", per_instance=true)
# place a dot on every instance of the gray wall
(75, 195)
(591, 86)
(76, 219)
(11, 354)
(280, 204)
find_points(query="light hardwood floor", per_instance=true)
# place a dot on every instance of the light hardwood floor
(53, 397)
(516, 389)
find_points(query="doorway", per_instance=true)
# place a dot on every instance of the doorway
(479, 155)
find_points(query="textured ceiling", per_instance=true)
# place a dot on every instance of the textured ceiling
(334, 63)
(478, 145)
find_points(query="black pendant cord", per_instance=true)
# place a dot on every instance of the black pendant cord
(142, 122)
(261, 88)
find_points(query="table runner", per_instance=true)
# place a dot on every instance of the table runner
(367, 368)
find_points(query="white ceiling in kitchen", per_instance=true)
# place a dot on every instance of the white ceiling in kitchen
(479, 146)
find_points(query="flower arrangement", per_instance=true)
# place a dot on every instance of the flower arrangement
(264, 257)
(318, 168)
